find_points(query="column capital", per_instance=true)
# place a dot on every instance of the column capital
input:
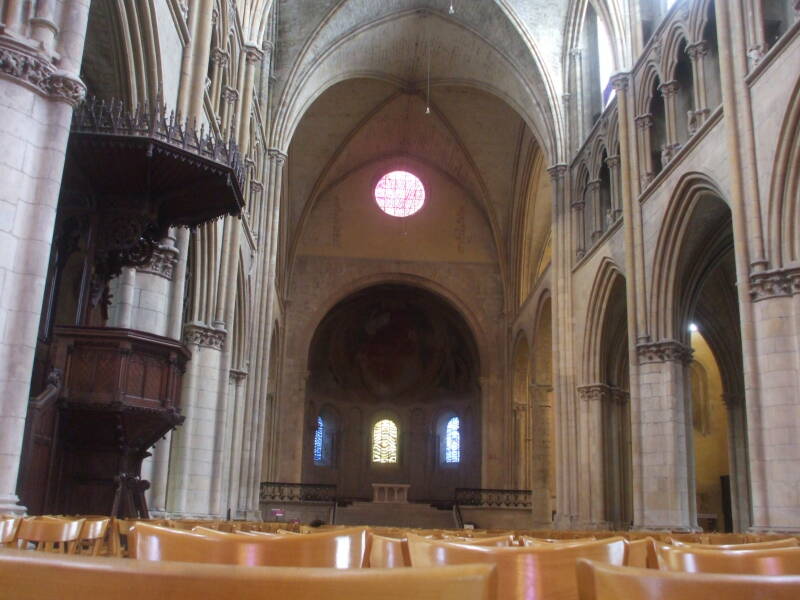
(557, 171)
(594, 392)
(23, 64)
(669, 88)
(219, 57)
(620, 81)
(276, 155)
(578, 206)
(162, 262)
(253, 54)
(698, 50)
(593, 185)
(230, 95)
(199, 334)
(664, 351)
(644, 121)
(613, 161)
(775, 283)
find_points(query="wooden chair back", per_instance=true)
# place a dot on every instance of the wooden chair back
(29, 576)
(523, 573)
(765, 545)
(532, 541)
(8, 530)
(92, 538)
(48, 534)
(687, 559)
(599, 581)
(641, 554)
(498, 541)
(341, 548)
(387, 552)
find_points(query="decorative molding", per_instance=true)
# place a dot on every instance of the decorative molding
(664, 351)
(669, 88)
(276, 155)
(196, 334)
(698, 50)
(256, 187)
(31, 69)
(774, 284)
(162, 262)
(237, 376)
(253, 54)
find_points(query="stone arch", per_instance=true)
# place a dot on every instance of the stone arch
(122, 57)
(402, 353)
(664, 309)
(694, 281)
(784, 202)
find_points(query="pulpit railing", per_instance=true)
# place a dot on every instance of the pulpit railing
(272, 491)
(493, 498)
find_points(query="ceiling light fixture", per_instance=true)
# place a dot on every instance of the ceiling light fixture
(452, 9)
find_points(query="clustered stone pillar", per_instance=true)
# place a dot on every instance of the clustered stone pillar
(37, 96)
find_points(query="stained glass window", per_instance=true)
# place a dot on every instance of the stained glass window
(400, 194)
(319, 443)
(452, 441)
(384, 442)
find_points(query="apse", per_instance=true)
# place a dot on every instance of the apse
(393, 396)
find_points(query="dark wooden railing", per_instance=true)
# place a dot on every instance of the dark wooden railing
(272, 491)
(493, 498)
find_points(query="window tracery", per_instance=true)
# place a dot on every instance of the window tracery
(384, 442)
(400, 194)
(452, 441)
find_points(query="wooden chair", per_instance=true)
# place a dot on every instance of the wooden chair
(533, 573)
(498, 541)
(343, 548)
(29, 576)
(8, 530)
(92, 537)
(48, 534)
(388, 552)
(688, 559)
(765, 545)
(606, 582)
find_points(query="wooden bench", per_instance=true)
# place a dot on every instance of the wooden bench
(523, 573)
(599, 581)
(33, 576)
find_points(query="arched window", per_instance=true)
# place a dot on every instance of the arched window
(452, 441)
(384, 442)
(323, 442)
(594, 66)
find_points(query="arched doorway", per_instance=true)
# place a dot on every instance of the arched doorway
(696, 310)
(393, 381)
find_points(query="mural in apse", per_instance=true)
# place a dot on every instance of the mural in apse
(402, 355)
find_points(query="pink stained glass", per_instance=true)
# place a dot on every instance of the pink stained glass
(400, 194)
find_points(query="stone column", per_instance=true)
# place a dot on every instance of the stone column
(592, 465)
(616, 193)
(697, 54)
(36, 102)
(593, 191)
(667, 473)
(580, 228)
(522, 454)
(773, 415)
(563, 352)
(669, 90)
(644, 124)
(541, 460)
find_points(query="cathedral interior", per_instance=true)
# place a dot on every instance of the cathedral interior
(503, 264)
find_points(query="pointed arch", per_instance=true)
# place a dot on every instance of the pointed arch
(784, 197)
(607, 277)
